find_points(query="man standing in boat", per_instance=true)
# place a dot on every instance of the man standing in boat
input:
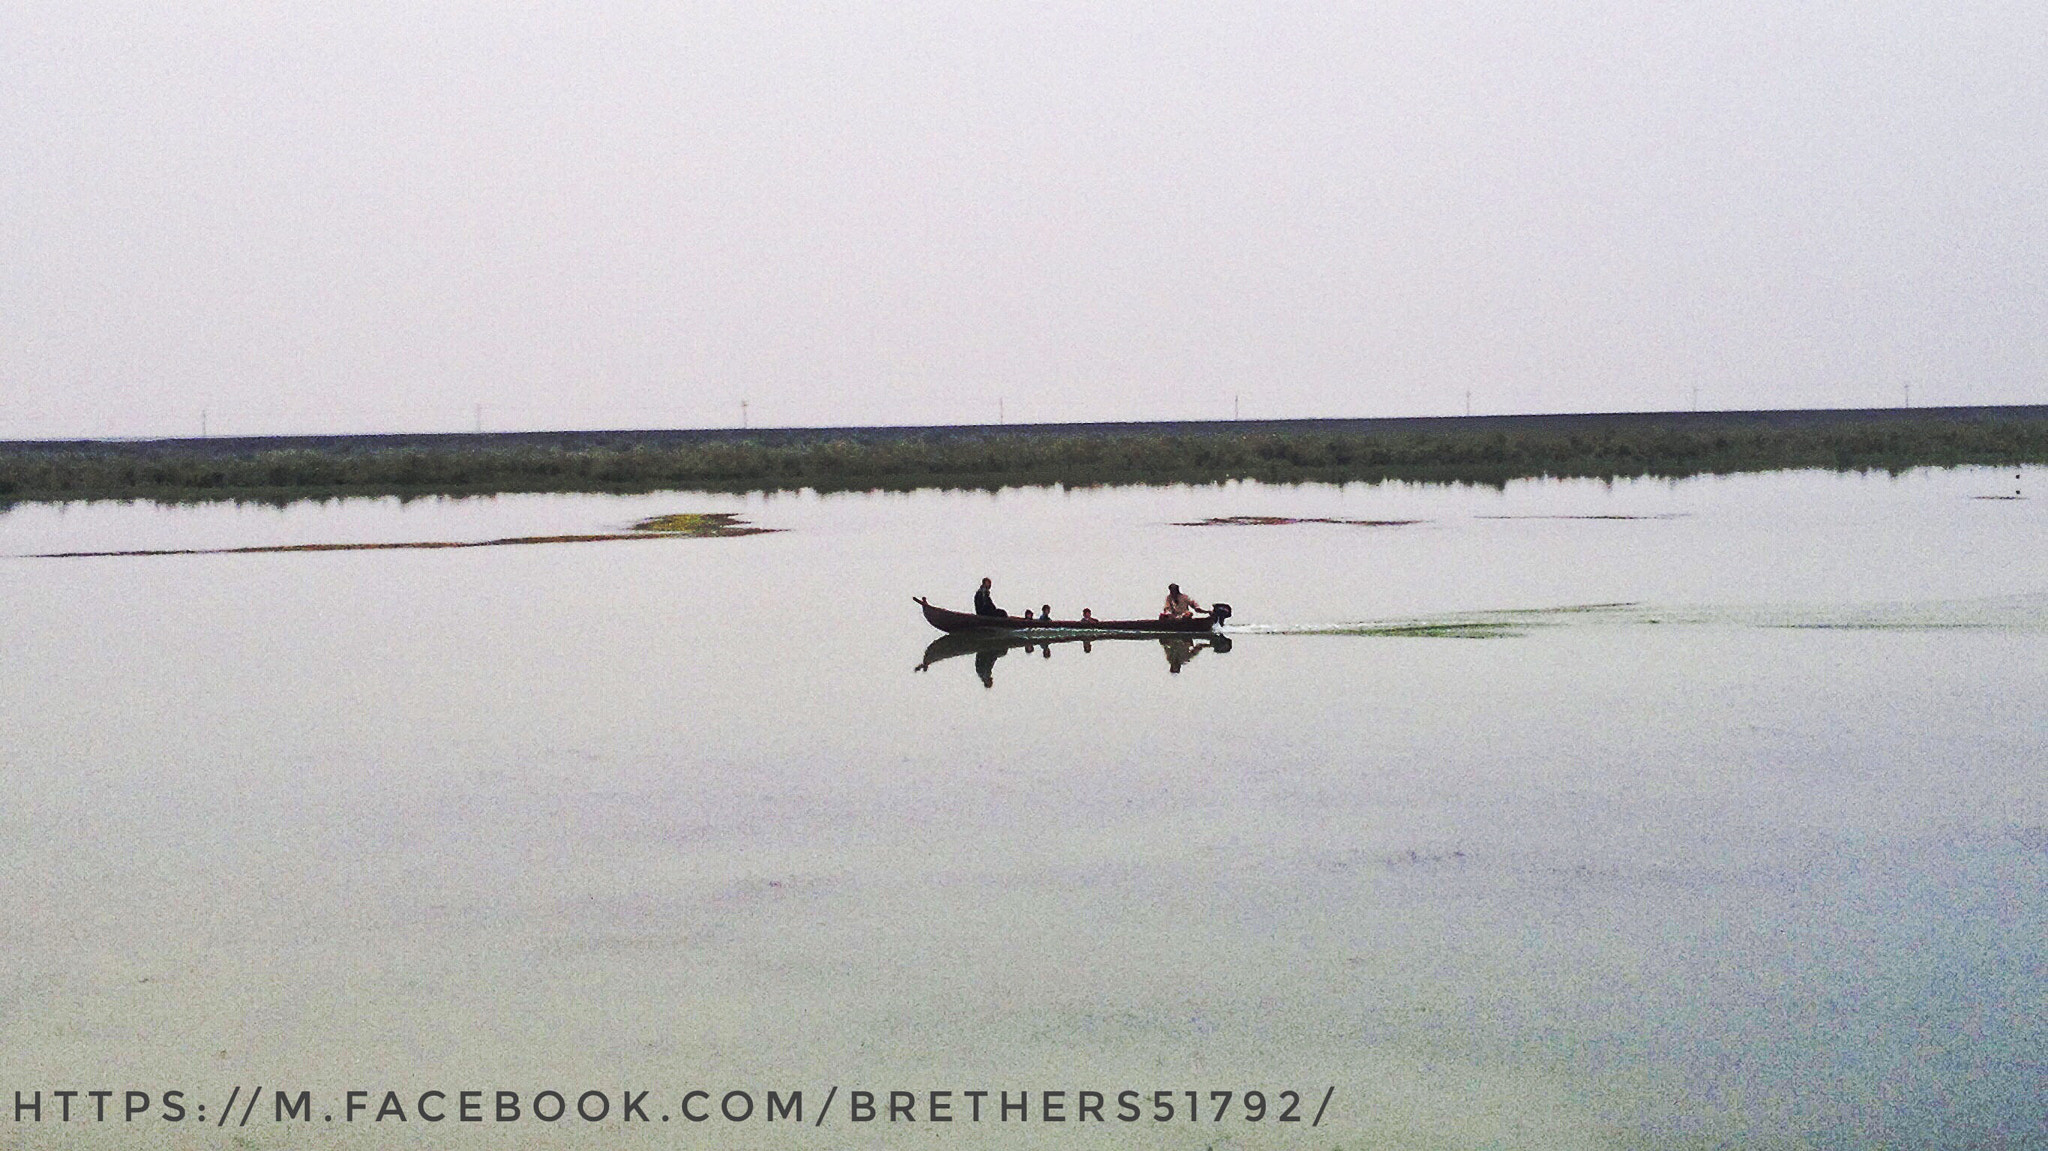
(1179, 605)
(984, 604)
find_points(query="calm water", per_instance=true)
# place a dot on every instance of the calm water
(1719, 819)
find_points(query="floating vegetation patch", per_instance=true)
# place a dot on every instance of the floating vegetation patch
(687, 525)
(1276, 521)
(700, 525)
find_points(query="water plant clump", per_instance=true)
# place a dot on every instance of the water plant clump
(700, 525)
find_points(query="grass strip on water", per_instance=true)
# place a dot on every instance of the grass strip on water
(689, 525)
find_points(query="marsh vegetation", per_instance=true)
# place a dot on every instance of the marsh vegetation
(1485, 450)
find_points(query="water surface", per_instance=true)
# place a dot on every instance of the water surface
(1685, 814)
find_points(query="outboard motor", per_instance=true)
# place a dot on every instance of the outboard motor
(1219, 612)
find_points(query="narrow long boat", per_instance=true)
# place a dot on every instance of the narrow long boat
(960, 621)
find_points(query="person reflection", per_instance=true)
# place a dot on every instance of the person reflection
(985, 664)
(1179, 650)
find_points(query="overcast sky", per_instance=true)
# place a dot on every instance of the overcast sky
(374, 216)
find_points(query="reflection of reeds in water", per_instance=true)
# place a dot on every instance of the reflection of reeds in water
(1453, 451)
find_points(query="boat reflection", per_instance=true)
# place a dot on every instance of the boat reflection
(988, 647)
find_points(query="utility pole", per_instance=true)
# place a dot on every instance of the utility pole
(479, 419)
(1909, 395)
(202, 423)
(743, 415)
(1468, 401)
(999, 410)
(1233, 407)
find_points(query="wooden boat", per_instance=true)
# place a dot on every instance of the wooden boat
(960, 621)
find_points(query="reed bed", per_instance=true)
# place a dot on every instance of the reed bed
(1459, 451)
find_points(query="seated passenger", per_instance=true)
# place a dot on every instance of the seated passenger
(984, 604)
(1088, 616)
(1179, 605)
(1044, 613)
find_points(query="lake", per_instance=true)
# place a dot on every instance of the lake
(1692, 814)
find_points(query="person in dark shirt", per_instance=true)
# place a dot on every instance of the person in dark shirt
(984, 604)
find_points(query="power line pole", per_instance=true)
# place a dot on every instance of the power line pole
(743, 415)
(1468, 401)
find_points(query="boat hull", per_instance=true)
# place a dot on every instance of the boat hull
(960, 621)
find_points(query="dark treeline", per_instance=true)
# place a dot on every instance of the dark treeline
(1477, 450)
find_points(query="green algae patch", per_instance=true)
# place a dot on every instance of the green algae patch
(699, 525)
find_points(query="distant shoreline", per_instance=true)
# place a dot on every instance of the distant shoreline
(1451, 449)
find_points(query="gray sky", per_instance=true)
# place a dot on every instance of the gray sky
(375, 216)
